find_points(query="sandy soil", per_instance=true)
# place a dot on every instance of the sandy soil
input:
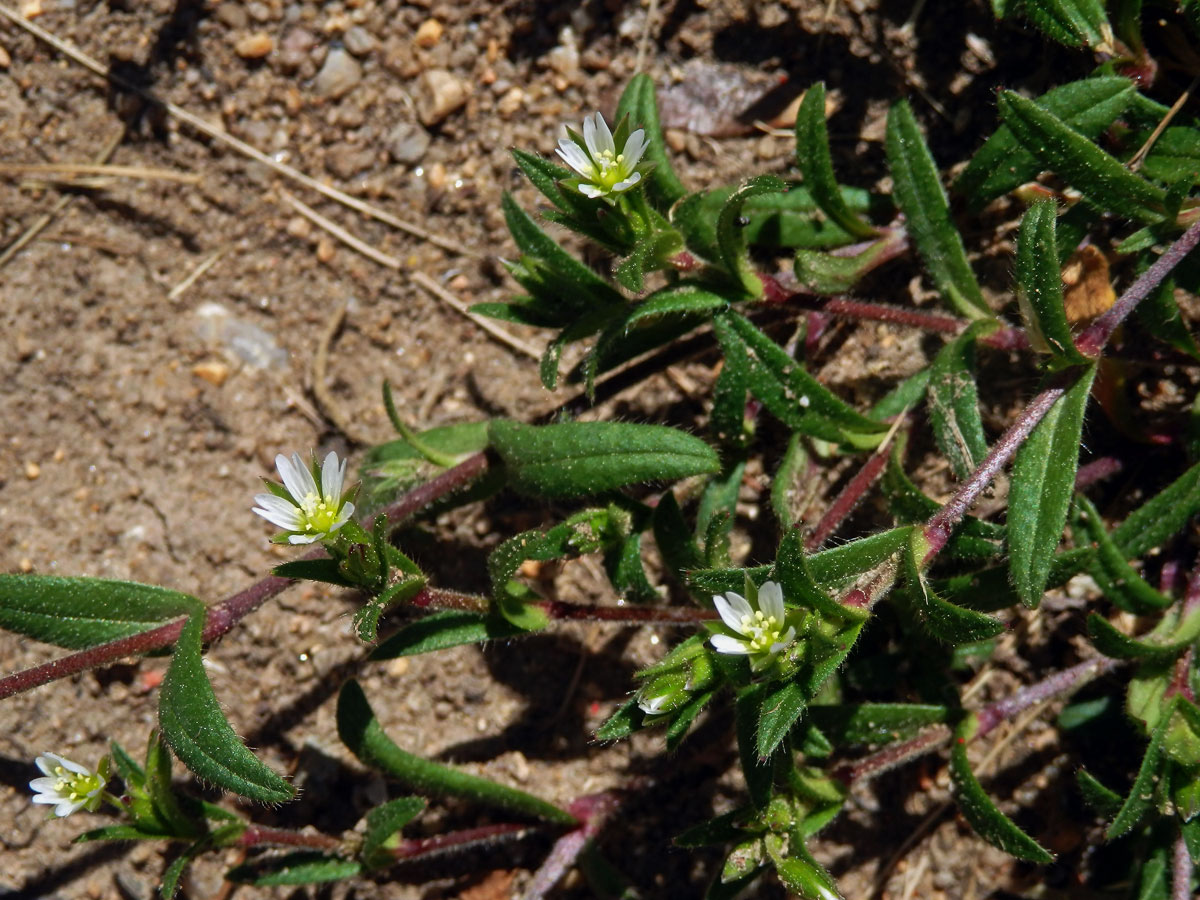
(158, 342)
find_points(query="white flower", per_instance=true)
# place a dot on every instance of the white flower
(67, 786)
(602, 168)
(759, 632)
(306, 514)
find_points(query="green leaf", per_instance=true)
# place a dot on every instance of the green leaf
(1114, 643)
(791, 394)
(1119, 581)
(1154, 522)
(638, 102)
(193, 724)
(1140, 799)
(903, 396)
(1039, 285)
(301, 867)
(801, 873)
(839, 565)
(945, 621)
(439, 630)
(876, 723)
(720, 497)
(361, 732)
(1075, 23)
(812, 155)
(792, 572)
(954, 404)
(1002, 164)
(539, 245)
(622, 723)
(759, 773)
(78, 613)
(722, 829)
(785, 486)
(977, 807)
(1175, 157)
(918, 192)
(1043, 479)
(675, 541)
(731, 239)
(1105, 802)
(1159, 314)
(683, 718)
(839, 271)
(545, 176)
(1097, 175)
(781, 709)
(577, 458)
(384, 822)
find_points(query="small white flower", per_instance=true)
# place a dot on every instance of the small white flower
(603, 169)
(307, 514)
(758, 633)
(67, 786)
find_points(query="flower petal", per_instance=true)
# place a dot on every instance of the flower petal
(574, 157)
(770, 600)
(723, 643)
(332, 475)
(740, 605)
(601, 135)
(296, 477)
(727, 613)
(635, 146)
(652, 705)
(591, 191)
(278, 511)
(634, 178)
(302, 538)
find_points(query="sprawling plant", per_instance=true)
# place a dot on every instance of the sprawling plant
(796, 639)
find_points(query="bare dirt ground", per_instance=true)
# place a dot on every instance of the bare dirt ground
(159, 337)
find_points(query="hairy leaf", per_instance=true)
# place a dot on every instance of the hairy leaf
(1039, 285)
(639, 103)
(812, 155)
(449, 628)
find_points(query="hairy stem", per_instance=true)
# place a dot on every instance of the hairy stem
(941, 524)
(457, 840)
(223, 616)
(1181, 870)
(849, 498)
(263, 836)
(1094, 338)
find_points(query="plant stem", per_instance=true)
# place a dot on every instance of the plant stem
(261, 835)
(1181, 870)
(1093, 339)
(592, 811)
(941, 524)
(223, 616)
(849, 498)
(457, 840)
(1064, 682)
(626, 615)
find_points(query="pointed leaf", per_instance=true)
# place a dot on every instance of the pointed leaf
(361, 732)
(731, 239)
(1112, 642)
(78, 613)
(622, 723)
(1140, 799)
(839, 271)
(759, 773)
(812, 155)
(1039, 285)
(639, 103)
(577, 458)
(1105, 802)
(384, 822)
(876, 723)
(1043, 480)
(1119, 581)
(985, 817)
(954, 404)
(945, 621)
(792, 572)
(1002, 164)
(919, 194)
(781, 709)
(785, 486)
(193, 724)
(449, 628)
(1097, 175)
(1075, 23)
(301, 867)
(1152, 523)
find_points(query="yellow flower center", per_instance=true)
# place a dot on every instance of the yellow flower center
(73, 786)
(764, 631)
(610, 168)
(318, 514)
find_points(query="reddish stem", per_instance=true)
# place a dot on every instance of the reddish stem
(1063, 682)
(1094, 338)
(1097, 470)
(941, 524)
(223, 616)
(626, 615)
(261, 835)
(845, 502)
(593, 811)
(457, 840)
(1181, 870)
(892, 755)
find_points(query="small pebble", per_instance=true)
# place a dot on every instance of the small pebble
(429, 33)
(439, 93)
(299, 227)
(340, 75)
(32, 471)
(294, 48)
(214, 372)
(359, 41)
(26, 564)
(5, 59)
(255, 46)
(512, 101)
(436, 176)
(325, 250)
(407, 143)
(232, 15)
